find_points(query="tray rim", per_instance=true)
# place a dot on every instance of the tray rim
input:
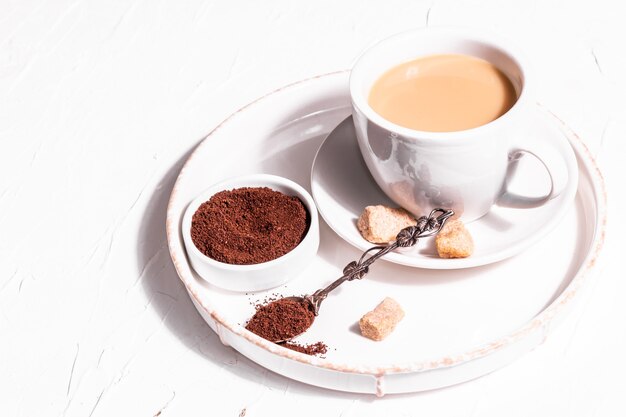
(541, 320)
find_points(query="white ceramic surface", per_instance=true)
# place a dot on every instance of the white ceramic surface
(258, 276)
(101, 104)
(467, 170)
(342, 186)
(459, 324)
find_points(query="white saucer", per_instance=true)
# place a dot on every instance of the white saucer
(342, 186)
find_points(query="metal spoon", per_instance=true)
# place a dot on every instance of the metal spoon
(426, 226)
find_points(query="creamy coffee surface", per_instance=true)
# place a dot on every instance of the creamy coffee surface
(442, 93)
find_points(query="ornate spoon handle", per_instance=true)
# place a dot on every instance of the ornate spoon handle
(426, 226)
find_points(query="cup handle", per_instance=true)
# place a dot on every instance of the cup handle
(514, 200)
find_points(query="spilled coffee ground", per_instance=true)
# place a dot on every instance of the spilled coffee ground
(283, 319)
(318, 348)
(249, 225)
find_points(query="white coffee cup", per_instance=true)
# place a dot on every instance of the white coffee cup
(467, 170)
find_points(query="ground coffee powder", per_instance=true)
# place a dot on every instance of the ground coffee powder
(318, 348)
(281, 319)
(249, 225)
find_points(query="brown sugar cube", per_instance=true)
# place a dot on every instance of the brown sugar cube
(380, 322)
(381, 224)
(454, 241)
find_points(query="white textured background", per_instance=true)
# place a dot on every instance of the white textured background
(100, 102)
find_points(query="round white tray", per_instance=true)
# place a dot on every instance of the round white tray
(459, 324)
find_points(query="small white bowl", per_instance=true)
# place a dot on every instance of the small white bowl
(261, 276)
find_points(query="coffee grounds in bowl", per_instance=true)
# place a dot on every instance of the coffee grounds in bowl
(249, 225)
